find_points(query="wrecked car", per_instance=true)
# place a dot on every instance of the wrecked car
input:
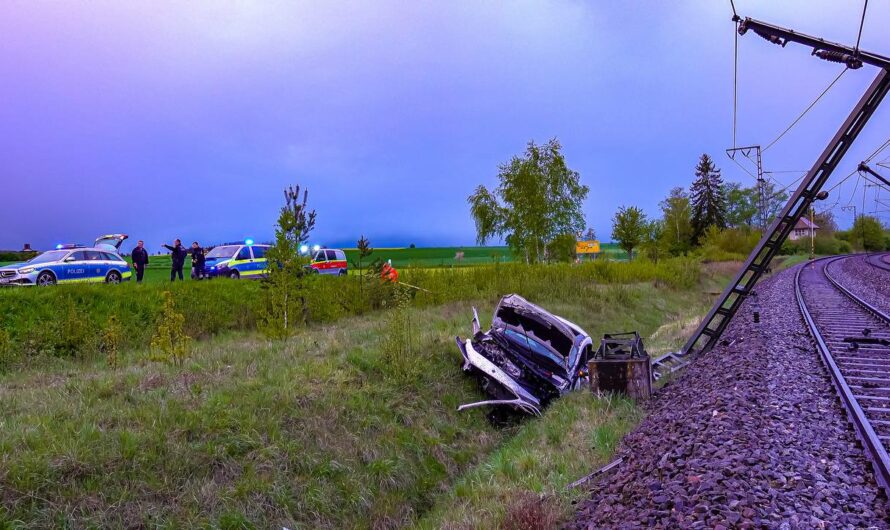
(527, 358)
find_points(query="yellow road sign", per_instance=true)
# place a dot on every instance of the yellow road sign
(587, 247)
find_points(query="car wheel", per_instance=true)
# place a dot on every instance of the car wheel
(234, 275)
(113, 277)
(46, 278)
(342, 272)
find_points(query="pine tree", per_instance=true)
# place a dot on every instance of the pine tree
(707, 198)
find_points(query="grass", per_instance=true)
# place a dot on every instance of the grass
(47, 323)
(327, 430)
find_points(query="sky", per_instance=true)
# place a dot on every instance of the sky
(186, 120)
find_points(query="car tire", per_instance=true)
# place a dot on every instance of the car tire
(234, 275)
(46, 278)
(342, 272)
(113, 277)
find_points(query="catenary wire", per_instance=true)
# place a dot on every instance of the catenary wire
(813, 104)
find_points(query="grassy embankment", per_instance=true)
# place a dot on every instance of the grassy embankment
(333, 429)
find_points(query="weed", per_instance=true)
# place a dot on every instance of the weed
(170, 344)
(109, 341)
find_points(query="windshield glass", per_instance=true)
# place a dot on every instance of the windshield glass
(530, 343)
(46, 257)
(225, 251)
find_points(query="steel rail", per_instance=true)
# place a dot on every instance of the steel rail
(874, 447)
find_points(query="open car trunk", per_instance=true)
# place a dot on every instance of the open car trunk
(111, 240)
(527, 358)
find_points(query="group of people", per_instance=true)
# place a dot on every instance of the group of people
(178, 253)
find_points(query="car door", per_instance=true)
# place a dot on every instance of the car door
(320, 262)
(97, 265)
(331, 264)
(74, 268)
(244, 261)
(259, 260)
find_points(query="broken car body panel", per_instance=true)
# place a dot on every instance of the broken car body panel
(528, 356)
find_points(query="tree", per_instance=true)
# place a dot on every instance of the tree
(654, 243)
(629, 228)
(538, 199)
(826, 223)
(562, 248)
(284, 298)
(867, 233)
(741, 205)
(590, 234)
(677, 216)
(364, 250)
(706, 198)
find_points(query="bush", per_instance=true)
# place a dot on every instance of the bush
(731, 244)
(37, 327)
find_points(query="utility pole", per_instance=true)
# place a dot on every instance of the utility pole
(761, 182)
(852, 207)
(809, 190)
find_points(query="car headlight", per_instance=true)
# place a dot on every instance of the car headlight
(26, 270)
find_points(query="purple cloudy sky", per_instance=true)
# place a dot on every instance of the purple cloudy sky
(186, 119)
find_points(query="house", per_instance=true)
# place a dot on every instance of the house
(802, 229)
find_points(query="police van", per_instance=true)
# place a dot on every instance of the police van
(72, 264)
(236, 261)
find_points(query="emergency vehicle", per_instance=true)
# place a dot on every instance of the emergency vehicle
(237, 260)
(71, 264)
(329, 261)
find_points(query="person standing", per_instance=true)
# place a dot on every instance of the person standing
(177, 254)
(140, 260)
(197, 261)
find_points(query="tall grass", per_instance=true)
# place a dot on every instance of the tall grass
(65, 321)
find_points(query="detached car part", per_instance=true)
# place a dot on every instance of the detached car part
(528, 357)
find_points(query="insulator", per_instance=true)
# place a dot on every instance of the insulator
(775, 39)
(852, 62)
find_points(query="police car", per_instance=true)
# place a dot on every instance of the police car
(329, 261)
(72, 263)
(237, 260)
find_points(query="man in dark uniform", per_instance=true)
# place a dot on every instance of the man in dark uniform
(178, 254)
(197, 261)
(140, 260)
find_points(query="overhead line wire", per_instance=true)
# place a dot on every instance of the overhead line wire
(813, 104)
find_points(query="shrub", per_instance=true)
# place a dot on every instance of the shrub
(36, 326)
(170, 344)
(110, 340)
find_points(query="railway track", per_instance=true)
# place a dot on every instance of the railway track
(853, 339)
(880, 261)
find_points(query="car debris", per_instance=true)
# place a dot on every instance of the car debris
(528, 357)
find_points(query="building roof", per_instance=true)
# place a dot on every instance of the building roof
(804, 224)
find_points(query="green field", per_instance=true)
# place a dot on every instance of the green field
(351, 424)
(158, 269)
(446, 256)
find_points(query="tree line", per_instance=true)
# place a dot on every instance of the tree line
(537, 208)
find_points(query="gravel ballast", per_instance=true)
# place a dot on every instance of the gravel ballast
(751, 435)
(866, 281)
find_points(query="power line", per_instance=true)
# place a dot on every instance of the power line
(861, 24)
(878, 151)
(735, 78)
(813, 104)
